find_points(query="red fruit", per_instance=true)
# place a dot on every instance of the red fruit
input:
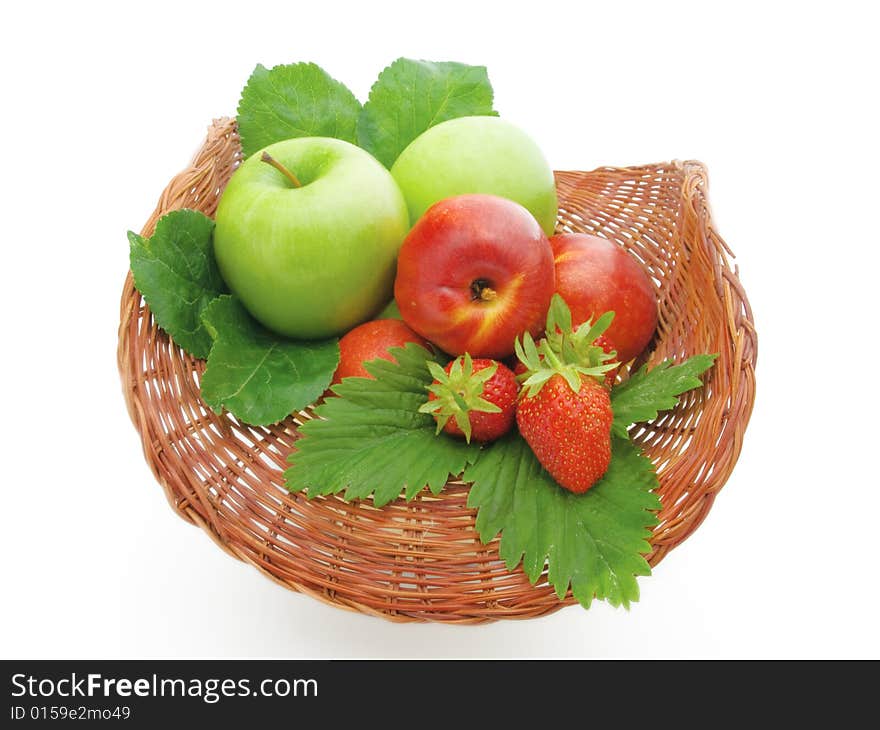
(569, 432)
(594, 276)
(475, 399)
(564, 412)
(474, 273)
(371, 341)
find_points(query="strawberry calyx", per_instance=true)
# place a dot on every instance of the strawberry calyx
(456, 391)
(581, 345)
(565, 350)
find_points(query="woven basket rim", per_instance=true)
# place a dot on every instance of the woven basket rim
(203, 180)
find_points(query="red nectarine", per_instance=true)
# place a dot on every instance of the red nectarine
(474, 273)
(371, 341)
(595, 276)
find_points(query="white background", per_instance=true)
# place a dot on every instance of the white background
(103, 104)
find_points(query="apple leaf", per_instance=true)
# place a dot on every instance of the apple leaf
(294, 100)
(257, 376)
(647, 392)
(593, 543)
(371, 439)
(175, 272)
(411, 96)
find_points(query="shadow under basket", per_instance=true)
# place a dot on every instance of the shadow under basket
(423, 560)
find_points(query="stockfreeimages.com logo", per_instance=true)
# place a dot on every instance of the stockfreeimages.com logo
(208, 690)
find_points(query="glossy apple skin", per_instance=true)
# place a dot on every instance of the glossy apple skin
(477, 155)
(371, 341)
(595, 276)
(314, 261)
(464, 250)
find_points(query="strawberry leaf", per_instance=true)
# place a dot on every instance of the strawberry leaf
(372, 439)
(647, 392)
(593, 543)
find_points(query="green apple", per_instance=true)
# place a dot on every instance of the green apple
(307, 234)
(476, 155)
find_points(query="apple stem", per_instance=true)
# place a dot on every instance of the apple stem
(480, 290)
(266, 157)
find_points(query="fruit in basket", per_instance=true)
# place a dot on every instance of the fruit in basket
(595, 275)
(564, 412)
(476, 154)
(593, 548)
(307, 233)
(569, 430)
(566, 421)
(371, 341)
(475, 272)
(472, 398)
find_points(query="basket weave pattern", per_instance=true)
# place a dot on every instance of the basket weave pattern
(423, 560)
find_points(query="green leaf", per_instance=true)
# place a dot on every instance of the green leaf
(257, 376)
(589, 332)
(593, 542)
(175, 272)
(559, 317)
(371, 439)
(295, 100)
(533, 358)
(437, 372)
(646, 393)
(390, 311)
(411, 96)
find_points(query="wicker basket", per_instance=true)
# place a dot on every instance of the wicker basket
(423, 560)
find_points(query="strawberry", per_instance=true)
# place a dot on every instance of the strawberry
(569, 431)
(564, 411)
(475, 399)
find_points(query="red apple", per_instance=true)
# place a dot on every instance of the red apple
(371, 341)
(595, 276)
(474, 273)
